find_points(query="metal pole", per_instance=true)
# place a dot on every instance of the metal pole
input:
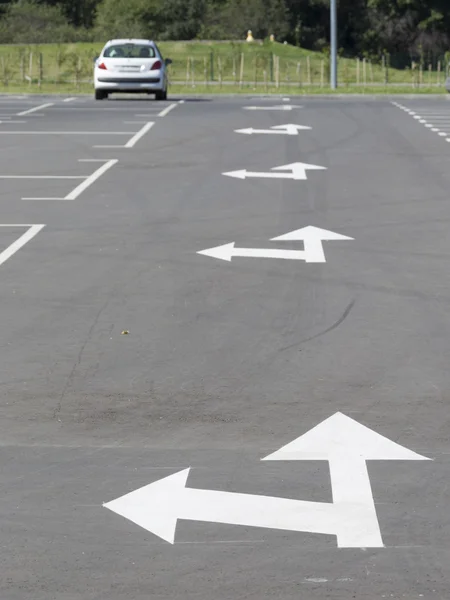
(333, 43)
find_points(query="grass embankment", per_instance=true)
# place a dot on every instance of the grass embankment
(214, 67)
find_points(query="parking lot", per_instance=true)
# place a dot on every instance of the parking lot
(255, 289)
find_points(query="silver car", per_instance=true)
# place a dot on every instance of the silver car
(131, 66)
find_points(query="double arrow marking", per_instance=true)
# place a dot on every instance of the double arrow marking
(351, 517)
(289, 129)
(297, 172)
(312, 238)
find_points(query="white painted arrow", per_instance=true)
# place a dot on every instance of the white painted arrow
(289, 129)
(312, 238)
(228, 251)
(347, 445)
(297, 172)
(351, 517)
(285, 107)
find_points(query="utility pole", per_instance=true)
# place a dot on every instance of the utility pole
(333, 43)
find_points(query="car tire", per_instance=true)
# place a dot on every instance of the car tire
(100, 95)
(161, 95)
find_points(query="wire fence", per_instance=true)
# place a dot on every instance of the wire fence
(29, 66)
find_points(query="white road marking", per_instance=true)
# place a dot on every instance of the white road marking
(344, 443)
(167, 110)
(298, 172)
(88, 181)
(69, 99)
(312, 238)
(36, 108)
(136, 137)
(287, 107)
(12, 121)
(91, 179)
(43, 176)
(289, 129)
(66, 132)
(19, 243)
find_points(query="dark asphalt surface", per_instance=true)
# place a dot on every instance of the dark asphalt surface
(224, 362)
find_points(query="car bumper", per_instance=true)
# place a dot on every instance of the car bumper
(153, 84)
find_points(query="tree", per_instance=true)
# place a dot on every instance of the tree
(27, 22)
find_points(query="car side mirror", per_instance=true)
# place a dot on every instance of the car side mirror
(168, 61)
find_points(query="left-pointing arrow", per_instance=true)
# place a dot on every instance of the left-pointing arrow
(228, 251)
(297, 171)
(289, 129)
(158, 506)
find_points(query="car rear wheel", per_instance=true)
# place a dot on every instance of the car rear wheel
(161, 95)
(100, 95)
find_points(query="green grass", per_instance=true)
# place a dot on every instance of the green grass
(214, 66)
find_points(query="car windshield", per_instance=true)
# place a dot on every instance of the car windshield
(130, 51)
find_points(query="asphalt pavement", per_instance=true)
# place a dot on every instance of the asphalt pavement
(134, 346)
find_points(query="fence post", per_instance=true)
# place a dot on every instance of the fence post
(41, 68)
(31, 66)
(364, 72)
(22, 67)
(386, 64)
(308, 69)
(219, 66)
(439, 73)
(211, 73)
(256, 72)
(241, 71)
(322, 73)
(299, 73)
(271, 66)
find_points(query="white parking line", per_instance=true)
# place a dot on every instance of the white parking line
(167, 110)
(136, 137)
(73, 195)
(36, 108)
(6, 132)
(19, 243)
(43, 176)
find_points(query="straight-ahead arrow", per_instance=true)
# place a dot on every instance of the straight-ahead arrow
(297, 172)
(312, 238)
(347, 445)
(285, 107)
(289, 129)
(351, 517)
